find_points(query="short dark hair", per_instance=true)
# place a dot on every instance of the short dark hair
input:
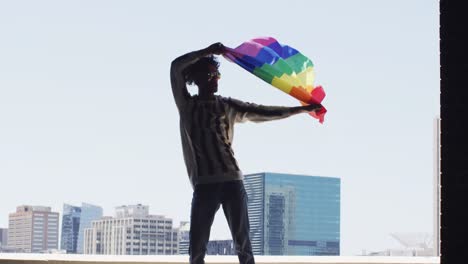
(200, 65)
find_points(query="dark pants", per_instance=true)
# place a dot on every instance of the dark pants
(206, 201)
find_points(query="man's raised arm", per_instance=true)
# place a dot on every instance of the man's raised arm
(178, 83)
(261, 113)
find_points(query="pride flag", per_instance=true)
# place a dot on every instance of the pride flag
(281, 66)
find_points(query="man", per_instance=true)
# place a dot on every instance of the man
(206, 127)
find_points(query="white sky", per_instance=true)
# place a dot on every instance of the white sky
(87, 114)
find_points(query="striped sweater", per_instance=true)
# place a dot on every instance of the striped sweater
(207, 130)
(207, 126)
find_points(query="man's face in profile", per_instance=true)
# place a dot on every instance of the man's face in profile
(208, 81)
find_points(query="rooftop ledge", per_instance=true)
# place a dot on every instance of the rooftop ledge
(15, 258)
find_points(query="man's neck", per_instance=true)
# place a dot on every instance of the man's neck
(206, 97)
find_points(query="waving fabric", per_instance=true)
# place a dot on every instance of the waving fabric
(281, 66)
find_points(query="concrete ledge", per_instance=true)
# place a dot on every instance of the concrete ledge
(14, 258)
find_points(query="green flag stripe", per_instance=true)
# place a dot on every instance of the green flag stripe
(296, 63)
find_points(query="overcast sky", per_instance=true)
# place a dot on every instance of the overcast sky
(87, 113)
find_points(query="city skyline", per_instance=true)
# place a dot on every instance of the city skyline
(125, 211)
(87, 113)
(77, 222)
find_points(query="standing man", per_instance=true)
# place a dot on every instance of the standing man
(207, 127)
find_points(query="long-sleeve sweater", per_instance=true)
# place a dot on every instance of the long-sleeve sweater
(207, 127)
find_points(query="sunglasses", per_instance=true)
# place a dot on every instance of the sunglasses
(212, 75)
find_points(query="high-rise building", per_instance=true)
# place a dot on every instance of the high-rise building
(3, 237)
(220, 247)
(89, 213)
(436, 186)
(74, 220)
(132, 232)
(293, 214)
(184, 232)
(70, 227)
(33, 229)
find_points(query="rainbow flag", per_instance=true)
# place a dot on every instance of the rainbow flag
(281, 66)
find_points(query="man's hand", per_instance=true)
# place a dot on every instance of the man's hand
(312, 107)
(216, 48)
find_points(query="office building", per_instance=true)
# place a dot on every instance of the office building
(33, 229)
(214, 247)
(74, 220)
(3, 237)
(293, 214)
(220, 247)
(184, 232)
(133, 231)
(436, 186)
(70, 227)
(89, 213)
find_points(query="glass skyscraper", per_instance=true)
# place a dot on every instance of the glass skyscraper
(89, 213)
(293, 214)
(70, 226)
(74, 220)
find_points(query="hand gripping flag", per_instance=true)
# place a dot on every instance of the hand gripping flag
(281, 66)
